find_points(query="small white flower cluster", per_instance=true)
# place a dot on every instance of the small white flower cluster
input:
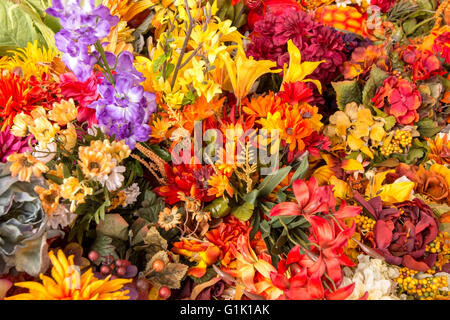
(373, 276)
(62, 217)
(114, 179)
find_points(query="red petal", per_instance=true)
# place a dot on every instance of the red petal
(341, 293)
(285, 209)
(301, 192)
(383, 234)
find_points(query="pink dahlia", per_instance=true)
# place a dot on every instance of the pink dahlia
(10, 144)
(399, 98)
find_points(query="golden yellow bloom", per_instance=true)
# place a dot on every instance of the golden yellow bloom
(32, 60)
(243, 71)
(24, 165)
(219, 184)
(63, 112)
(389, 193)
(21, 123)
(297, 71)
(69, 137)
(49, 197)
(120, 150)
(43, 130)
(95, 160)
(58, 172)
(74, 191)
(68, 284)
(169, 218)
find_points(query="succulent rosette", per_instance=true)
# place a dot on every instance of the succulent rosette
(22, 225)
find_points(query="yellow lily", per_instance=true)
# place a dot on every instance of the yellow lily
(297, 71)
(243, 71)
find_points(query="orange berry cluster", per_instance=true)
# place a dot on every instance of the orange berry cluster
(401, 140)
(441, 246)
(423, 289)
(365, 223)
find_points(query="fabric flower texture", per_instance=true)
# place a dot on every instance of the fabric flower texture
(399, 98)
(22, 225)
(82, 24)
(402, 232)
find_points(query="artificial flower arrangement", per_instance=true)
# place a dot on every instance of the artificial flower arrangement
(229, 150)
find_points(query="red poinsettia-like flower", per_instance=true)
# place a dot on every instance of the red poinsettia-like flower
(296, 93)
(399, 98)
(425, 64)
(191, 180)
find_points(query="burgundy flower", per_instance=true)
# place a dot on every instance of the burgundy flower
(315, 41)
(402, 233)
(10, 144)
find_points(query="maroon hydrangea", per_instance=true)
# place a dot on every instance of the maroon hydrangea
(315, 41)
(10, 144)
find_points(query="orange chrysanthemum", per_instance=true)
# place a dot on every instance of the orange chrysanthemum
(440, 148)
(25, 165)
(260, 106)
(69, 284)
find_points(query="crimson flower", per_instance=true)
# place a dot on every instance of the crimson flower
(399, 98)
(84, 93)
(310, 198)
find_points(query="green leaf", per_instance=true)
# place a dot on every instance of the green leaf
(346, 92)
(54, 178)
(427, 127)
(300, 172)
(114, 226)
(219, 208)
(244, 212)
(169, 69)
(408, 26)
(157, 63)
(415, 154)
(271, 181)
(390, 122)
(103, 246)
(16, 28)
(251, 197)
(164, 154)
(376, 78)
